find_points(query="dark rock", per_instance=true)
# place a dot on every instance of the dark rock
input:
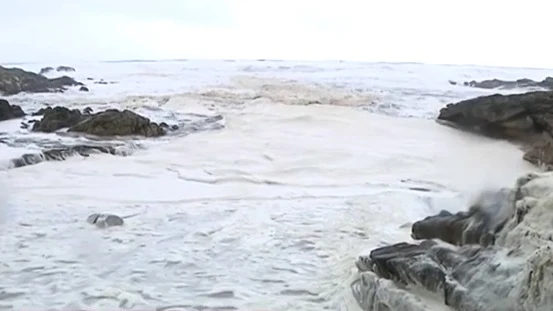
(8, 111)
(477, 226)
(83, 89)
(90, 79)
(546, 83)
(24, 125)
(87, 111)
(524, 118)
(45, 70)
(65, 69)
(114, 122)
(100, 82)
(15, 80)
(56, 118)
(452, 82)
(61, 153)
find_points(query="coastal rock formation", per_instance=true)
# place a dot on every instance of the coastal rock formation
(117, 123)
(546, 83)
(513, 271)
(111, 122)
(65, 69)
(56, 118)
(16, 80)
(8, 111)
(114, 122)
(524, 118)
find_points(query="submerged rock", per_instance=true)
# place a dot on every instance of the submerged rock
(105, 220)
(8, 111)
(62, 153)
(524, 118)
(512, 272)
(16, 80)
(546, 83)
(83, 89)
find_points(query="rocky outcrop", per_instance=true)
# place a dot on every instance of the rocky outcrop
(65, 69)
(114, 122)
(8, 111)
(56, 118)
(513, 271)
(546, 83)
(524, 118)
(111, 122)
(16, 80)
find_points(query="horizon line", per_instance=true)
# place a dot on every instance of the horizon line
(154, 60)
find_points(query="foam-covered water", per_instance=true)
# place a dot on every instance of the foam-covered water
(316, 164)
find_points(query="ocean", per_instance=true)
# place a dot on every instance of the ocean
(307, 166)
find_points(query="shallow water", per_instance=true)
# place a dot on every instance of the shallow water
(269, 212)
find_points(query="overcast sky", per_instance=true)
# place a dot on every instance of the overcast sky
(487, 32)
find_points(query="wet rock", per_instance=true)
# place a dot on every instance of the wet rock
(524, 118)
(61, 153)
(16, 80)
(546, 83)
(114, 122)
(8, 111)
(452, 82)
(46, 70)
(514, 273)
(101, 82)
(56, 118)
(105, 220)
(83, 89)
(65, 69)
(90, 79)
(476, 226)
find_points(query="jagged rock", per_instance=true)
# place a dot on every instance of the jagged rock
(83, 89)
(16, 80)
(514, 274)
(8, 111)
(524, 118)
(105, 220)
(45, 70)
(56, 118)
(114, 122)
(65, 69)
(476, 226)
(546, 83)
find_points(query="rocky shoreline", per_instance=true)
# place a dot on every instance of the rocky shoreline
(112, 131)
(546, 83)
(497, 255)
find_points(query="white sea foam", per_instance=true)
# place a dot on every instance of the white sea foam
(269, 212)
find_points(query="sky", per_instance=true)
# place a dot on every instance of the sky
(481, 32)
